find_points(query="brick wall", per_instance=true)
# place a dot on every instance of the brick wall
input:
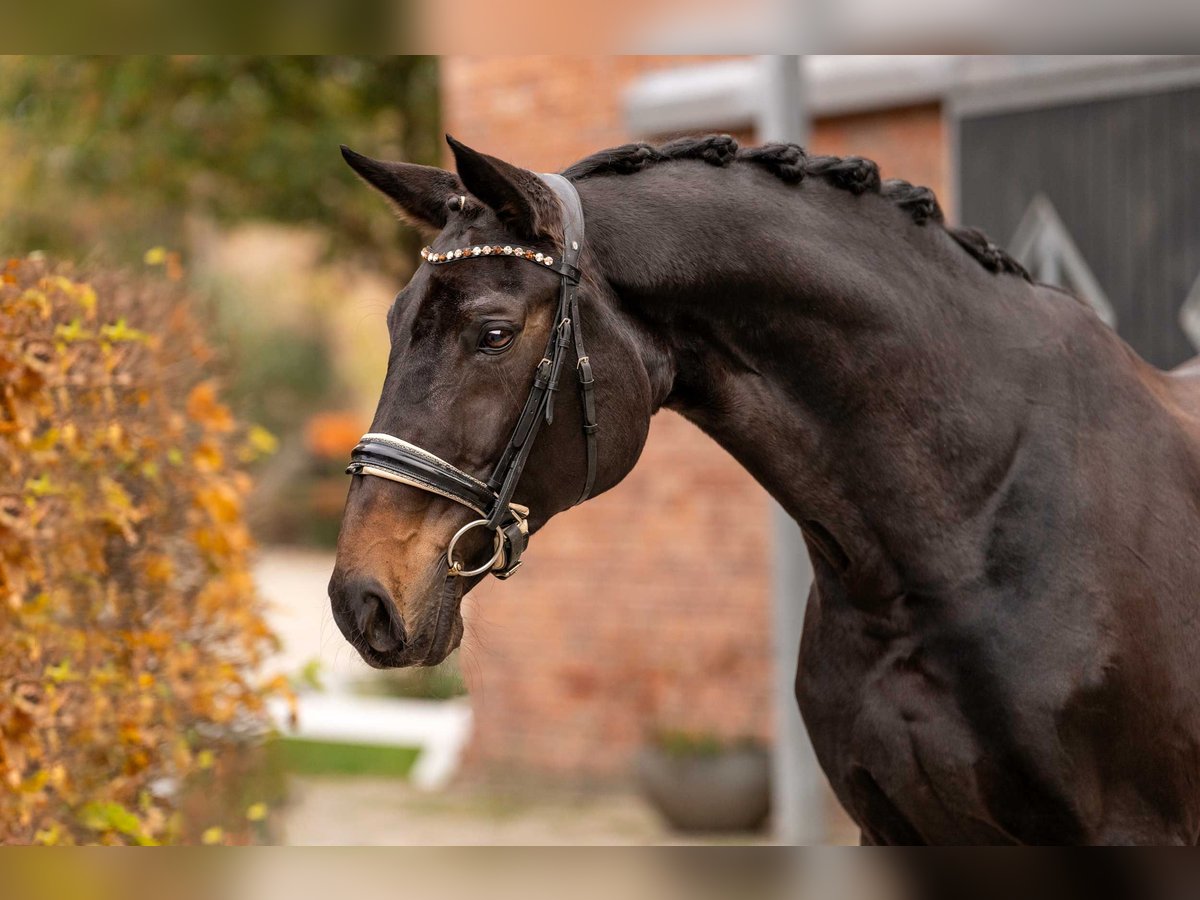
(544, 112)
(648, 607)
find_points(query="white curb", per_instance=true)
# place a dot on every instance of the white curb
(439, 728)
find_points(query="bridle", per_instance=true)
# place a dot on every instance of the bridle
(386, 456)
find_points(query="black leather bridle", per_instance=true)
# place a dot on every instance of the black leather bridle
(389, 457)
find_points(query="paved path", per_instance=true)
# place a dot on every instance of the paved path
(374, 811)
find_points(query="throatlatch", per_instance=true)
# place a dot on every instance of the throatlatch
(395, 459)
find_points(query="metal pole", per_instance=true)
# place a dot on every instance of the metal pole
(798, 783)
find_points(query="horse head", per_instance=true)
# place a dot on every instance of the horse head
(469, 344)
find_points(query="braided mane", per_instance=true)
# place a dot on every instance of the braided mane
(791, 164)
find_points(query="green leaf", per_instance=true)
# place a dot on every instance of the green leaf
(120, 331)
(72, 332)
(40, 486)
(60, 673)
(111, 816)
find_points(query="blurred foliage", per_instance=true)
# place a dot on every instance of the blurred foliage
(116, 152)
(226, 160)
(131, 630)
(268, 26)
(280, 373)
(681, 744)
(686, 744)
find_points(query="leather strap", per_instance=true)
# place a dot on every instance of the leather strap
(390, 457)
(539, 406)
(401, 458)
(573, 234)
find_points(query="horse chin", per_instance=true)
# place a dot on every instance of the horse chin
(447, 627)
(437, 654)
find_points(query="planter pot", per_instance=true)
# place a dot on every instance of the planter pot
(726, 791)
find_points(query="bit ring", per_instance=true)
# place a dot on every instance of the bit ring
(498, 545)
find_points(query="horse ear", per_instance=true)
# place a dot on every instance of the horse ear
(419, 193)
(519, 198)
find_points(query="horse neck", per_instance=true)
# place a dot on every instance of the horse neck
(847, 357)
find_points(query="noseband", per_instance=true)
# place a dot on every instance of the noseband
(397, 460)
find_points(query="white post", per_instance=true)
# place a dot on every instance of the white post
(799, 792)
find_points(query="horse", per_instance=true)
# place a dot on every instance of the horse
(999, 497)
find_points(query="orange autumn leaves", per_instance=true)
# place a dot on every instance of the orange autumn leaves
(130, 631)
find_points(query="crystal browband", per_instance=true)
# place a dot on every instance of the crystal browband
(429, 255)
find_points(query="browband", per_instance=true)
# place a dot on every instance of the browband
(392, 458)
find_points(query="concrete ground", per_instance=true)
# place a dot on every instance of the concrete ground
(373, 811)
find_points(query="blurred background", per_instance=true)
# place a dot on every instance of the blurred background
(625, 658)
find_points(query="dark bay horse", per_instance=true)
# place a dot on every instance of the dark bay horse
(1000, 498)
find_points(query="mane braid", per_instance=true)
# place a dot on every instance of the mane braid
(790, 164)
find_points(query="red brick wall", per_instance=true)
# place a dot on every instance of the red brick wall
(623, 621)
(543, 112)
(648, 607)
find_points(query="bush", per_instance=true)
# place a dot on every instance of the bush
(130, 632)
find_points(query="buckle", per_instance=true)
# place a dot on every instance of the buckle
(584, 369)
(516, 537)
(507, 573)
(564, 332)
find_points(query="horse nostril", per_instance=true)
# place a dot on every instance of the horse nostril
(382, 630)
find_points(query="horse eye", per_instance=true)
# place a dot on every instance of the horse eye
(496, 338)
